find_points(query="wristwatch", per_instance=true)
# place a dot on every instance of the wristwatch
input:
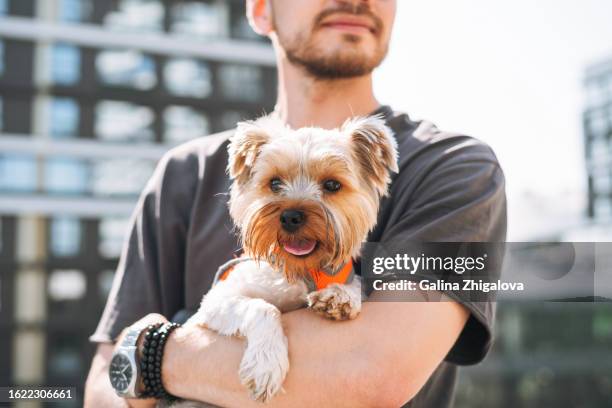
(124, 370)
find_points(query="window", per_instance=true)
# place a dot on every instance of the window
(65, 64)
(1, 57)
(603, 207)
(105, 283)
(602, 182)
(67, 285)
(17, 173)
(201, 19)
(123, 121)
(241, 82)
(229, 119)
(182, 124)
(65, 236)
(598, 123)
(186, 77)
(65, 176)
(126, 68)
(137, 15)
(64, 120)
(65, 358)
(122, 177)
(74, 11)
(111, 234)
(3, 7)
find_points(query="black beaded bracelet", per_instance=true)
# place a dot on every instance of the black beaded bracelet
(145, 365)
(152, 356)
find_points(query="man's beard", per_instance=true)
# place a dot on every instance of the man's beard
(347, 63)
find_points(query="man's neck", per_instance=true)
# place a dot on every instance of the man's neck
(306, 101)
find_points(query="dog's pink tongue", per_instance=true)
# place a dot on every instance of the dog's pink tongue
(299, 246)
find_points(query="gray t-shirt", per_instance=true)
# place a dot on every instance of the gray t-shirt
(450, 188)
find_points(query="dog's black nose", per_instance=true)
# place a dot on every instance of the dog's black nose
(291, 220)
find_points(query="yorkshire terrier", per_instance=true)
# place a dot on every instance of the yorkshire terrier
(303, 202)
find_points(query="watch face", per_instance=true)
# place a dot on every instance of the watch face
(120, 372)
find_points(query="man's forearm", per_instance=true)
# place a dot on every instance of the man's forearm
(375, 360)
(201, 365)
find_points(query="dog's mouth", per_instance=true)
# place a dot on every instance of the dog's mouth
(299, 247)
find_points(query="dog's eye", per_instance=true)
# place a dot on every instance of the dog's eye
(331, 185)
(275, 185)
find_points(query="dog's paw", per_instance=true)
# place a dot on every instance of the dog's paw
(264, 367)
(335, 302)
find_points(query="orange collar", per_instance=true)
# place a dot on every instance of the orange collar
(320, 279)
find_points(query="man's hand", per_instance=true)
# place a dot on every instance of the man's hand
(98, 390)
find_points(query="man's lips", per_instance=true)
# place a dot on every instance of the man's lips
(299, 247)
(349, 24)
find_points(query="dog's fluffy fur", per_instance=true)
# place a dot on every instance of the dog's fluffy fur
(360, 157)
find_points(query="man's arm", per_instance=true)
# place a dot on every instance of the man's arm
(381, 359)
(98, 389)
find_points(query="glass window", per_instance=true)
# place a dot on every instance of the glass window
(17, 173)
(603, 207)
(137, 15)
(602, 182)
(126, 68)
(187, 77)
(65, 64)
(241, 82)
(1, 57)
(242, 29)
(65, 236)
(120, 177)
(111, 234)
(598, 122)
(64, 120)
(105, 283)
(182, 123)
(66, 358)
(229, 119)
(65, 175)
(74, 11)
(124, 121)
(3, 7)
(67, 285)
(198, 18)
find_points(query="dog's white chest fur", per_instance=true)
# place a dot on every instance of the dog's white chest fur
(259, 280)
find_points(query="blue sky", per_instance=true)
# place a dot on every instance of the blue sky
(509, 73)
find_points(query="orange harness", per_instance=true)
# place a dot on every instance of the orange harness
(320, 278)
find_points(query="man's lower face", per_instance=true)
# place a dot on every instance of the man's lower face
(334, 54)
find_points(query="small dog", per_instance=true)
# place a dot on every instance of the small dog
(303, 201)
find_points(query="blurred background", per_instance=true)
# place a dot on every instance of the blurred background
(93, 92)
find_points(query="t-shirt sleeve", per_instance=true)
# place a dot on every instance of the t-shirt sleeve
(461, 198)
(149, 277)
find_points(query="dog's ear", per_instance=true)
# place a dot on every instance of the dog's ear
(244, 148)
(374, 148)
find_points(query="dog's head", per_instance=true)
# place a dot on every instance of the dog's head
(307, 198)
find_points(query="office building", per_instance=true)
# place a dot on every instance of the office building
(92, 93)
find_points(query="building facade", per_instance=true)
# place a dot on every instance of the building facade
(597, 123)
(92, 93)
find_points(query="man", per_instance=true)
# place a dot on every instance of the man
(449, 188)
